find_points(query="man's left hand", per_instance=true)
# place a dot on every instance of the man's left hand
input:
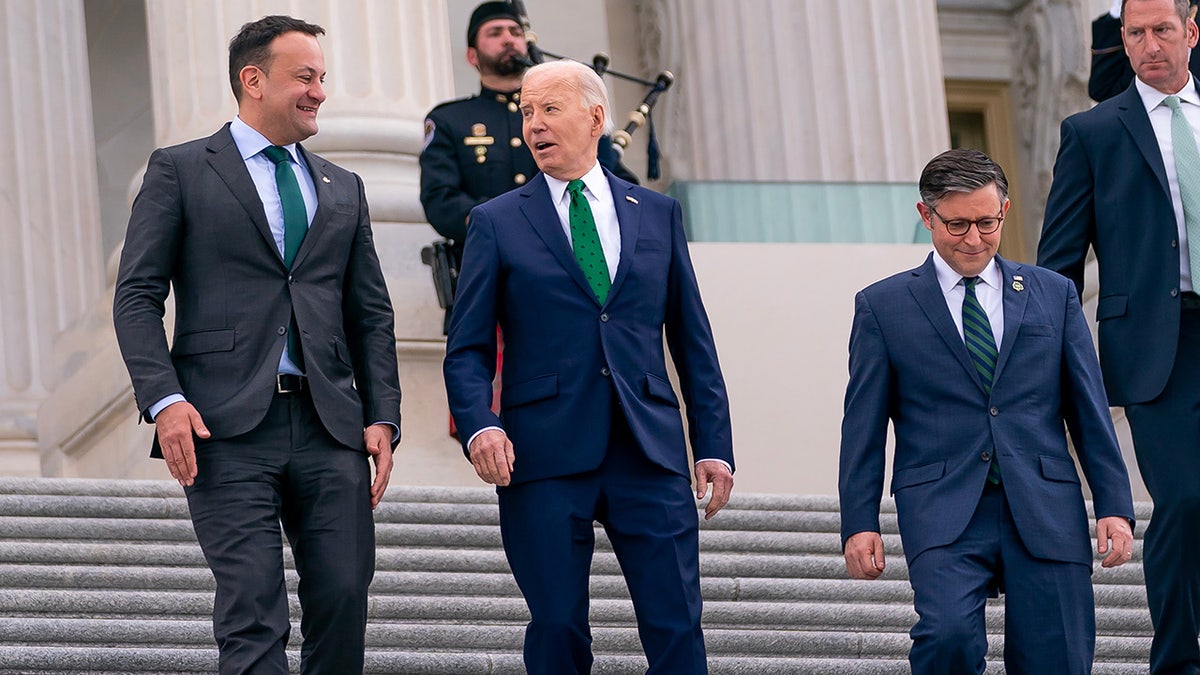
(378, 438)
(1115, 537)
(722, 484)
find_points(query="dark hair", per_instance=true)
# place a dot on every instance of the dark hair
(960, 170)
(1182, 8)
(252, 45)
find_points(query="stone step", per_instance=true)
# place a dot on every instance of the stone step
(106, 576)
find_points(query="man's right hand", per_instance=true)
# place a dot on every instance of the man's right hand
(176, 424)
(492, 456)
(864, 555)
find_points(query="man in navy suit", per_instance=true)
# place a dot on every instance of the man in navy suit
(978, 362)
(585, 272)
(1117, 191)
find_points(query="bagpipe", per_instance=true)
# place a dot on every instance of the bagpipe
(639, 117)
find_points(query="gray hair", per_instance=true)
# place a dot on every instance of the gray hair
(1181, 8)
(960, 170)
(591, 88)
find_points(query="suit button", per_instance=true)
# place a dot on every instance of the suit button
(605, 372)
(993, 411)
(1174, 243)
(1174, 292)
(282, 330)
(291, 280)
(985, 456)
(515, 142)
(604, 318)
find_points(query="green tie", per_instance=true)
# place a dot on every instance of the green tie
(586, 242)
(1187, 175)
(295, 226)
(981, 344)
(295, 216)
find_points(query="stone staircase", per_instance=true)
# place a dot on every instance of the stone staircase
(105, 576)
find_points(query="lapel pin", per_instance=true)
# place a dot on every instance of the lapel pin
(325, 179)
(1016, 284)
(630, 199)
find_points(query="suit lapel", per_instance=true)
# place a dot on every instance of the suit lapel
(225, 159)
(629, 218)
(543, 218)
(325, 201)
(1132, 113)
(928, 294)
(1014, 311)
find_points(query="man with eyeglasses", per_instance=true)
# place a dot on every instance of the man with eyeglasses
(978, 362)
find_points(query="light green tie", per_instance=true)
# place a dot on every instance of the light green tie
(586, 242)
(1187, 174)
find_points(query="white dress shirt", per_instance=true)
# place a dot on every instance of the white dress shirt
(989, 291)
(1160, 120)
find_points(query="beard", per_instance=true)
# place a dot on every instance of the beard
(507, 65)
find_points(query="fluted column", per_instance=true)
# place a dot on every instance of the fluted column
(50, 260)
(798, 91)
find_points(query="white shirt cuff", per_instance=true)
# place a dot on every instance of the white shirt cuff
(476, 435)
(714, 459)
(163, 403)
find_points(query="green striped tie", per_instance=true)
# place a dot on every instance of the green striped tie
(295, 226)
(586, 242)
(981, 344)
(1187, 175)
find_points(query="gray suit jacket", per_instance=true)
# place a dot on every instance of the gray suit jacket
(198, 227)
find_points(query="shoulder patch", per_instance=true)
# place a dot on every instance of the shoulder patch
(430, 127)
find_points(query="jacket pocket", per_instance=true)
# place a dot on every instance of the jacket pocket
(658, 388)
(529, 391)
(203, 342)
(342, 350)
(1111, 306)
(916, 475)
(1061, 470)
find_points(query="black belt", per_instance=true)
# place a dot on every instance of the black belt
(290, 384)
(1189, 301)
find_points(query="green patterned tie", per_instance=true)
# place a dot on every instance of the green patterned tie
(586, 242)
(1187, 175)
(981, 344)
(295, 226)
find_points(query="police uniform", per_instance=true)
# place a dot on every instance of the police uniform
(473, 152)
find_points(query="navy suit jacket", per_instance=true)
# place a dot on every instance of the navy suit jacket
(1110, 192)
(565, 354)
(908, 365)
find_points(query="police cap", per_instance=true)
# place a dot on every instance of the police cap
(486, 12)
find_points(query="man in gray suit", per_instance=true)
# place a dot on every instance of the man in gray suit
(281, 380)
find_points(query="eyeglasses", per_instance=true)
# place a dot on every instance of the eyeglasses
(959, 226)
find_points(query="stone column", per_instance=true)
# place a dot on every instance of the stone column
(798, 91)
(388, 64)
(51, 272)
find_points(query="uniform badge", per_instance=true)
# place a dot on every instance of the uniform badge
(430, 127)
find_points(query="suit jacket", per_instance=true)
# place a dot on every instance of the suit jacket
(565, 355)
(909, 365)
(1110, 192)
(198, 228)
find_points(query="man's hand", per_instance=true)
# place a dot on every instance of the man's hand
(175, 425)
(1116, 530)
(492, 456)
(722, 483)
(864, 555)
(378, 438)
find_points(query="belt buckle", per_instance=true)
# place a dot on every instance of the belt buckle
(286, 383)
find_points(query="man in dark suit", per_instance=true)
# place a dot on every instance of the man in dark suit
(1111, 73)
(281, 379)
(978, 362)
(584, 272)
(1117, 190)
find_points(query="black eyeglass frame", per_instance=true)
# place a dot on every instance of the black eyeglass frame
(959, 227)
